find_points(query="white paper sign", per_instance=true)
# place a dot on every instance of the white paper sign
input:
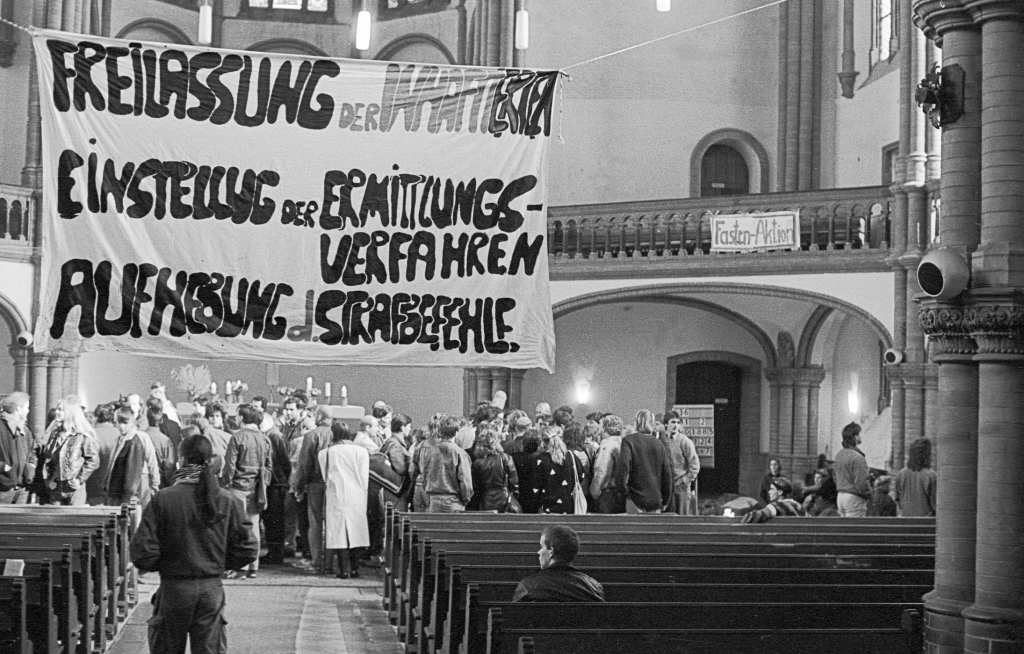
(232, 204)
(14, 567)
(779, 230)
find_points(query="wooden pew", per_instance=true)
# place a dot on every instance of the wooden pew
(14, 636)
(398, 526)
(124, 576)
(428, 595)
(66, 628)
(402, 526)
(41, 593)
(400, 560)
(709, 628)
(89, 599)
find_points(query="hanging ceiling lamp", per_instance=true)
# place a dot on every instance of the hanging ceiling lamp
(205, 22)
(522, 28)
(363, 29)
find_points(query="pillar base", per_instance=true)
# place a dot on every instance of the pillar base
(988, 630)
(943, 625)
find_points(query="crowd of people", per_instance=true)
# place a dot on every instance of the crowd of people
(315, 488)
(847, 487)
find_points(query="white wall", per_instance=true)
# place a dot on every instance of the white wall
(622, 349)
(855, 361)
(631, 121)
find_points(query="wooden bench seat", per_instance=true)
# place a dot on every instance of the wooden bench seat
(451, 598)
(497, 627)
(52, 606)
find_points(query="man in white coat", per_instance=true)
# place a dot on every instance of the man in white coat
(346, 470)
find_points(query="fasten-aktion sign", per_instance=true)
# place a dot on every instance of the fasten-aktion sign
(231, 204)
(755, 232)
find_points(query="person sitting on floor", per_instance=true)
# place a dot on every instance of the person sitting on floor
(781, 502)
(557, 580)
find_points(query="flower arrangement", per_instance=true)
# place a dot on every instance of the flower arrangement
(193, 380)
(285, 391)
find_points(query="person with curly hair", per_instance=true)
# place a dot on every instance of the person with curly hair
(446, 470)
(495, 480)
(915, 484)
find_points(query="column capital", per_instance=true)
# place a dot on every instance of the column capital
(936, 17)
(948, 336)
(811, 376)
(20, 352)
(995, 319)
(911, 375)
(986, 10)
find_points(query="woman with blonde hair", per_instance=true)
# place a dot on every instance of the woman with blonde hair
(68, 455)
(555, 473)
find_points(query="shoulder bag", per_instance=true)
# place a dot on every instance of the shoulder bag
(579, 499)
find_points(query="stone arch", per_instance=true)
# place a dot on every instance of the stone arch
(172, 32)
(751, 461)
(625, 295)
(406, 40)
(750, 149)
(287, 46)
(679, 290)
(809, 336)
(15, 322)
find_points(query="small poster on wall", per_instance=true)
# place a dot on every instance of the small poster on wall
(698, 424)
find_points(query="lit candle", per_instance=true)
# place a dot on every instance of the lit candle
(309, 384)
(344, 391)
(327, 389)
(213, 388)
(227, 388)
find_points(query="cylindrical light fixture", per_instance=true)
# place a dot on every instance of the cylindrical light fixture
(522, 28)
(582, 391)
(664, 5)
(205, 22)
(363, 29)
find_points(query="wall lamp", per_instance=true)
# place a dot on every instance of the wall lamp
(941, 95)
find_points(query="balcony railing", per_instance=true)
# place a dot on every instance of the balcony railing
(16, 216)
(833, 219)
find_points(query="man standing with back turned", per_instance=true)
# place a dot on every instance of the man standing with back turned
(851, 468)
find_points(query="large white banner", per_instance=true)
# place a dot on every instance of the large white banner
(234, 204)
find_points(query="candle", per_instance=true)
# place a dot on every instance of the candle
(227, 388)
(213, 388)
(344, 391)
(327, 389)
(309, 384)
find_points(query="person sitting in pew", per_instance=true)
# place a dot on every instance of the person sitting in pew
(557, 580)
(781, 502)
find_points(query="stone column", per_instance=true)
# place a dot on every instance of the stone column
(812, 416)
(37, 410)
(468, 390)
(805, 410)
(931, 407)
(483, 386)
(995, 621)
(955, 439)
(20, 356)
(499, 382)
(55, 379)
(515, 388)
(847, 75)
(69, 385)
(995, 319)
(772, 374)
(791, 141)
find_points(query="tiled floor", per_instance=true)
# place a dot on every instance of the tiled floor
(284, 611)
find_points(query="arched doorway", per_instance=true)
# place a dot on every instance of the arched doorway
(723, 172)
(717, 384)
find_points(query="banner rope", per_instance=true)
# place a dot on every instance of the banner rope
(675, 34)
(24, 29)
